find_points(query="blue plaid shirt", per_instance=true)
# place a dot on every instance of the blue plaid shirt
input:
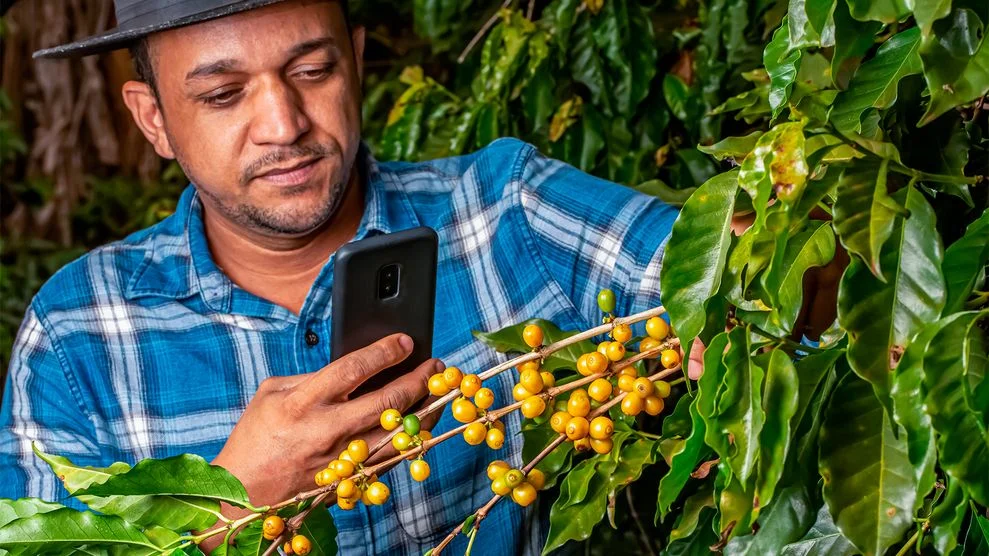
(145, 349)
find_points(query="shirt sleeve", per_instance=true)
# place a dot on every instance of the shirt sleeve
(592, 234)
(39, 406)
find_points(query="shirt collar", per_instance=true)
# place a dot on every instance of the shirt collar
(178, 264)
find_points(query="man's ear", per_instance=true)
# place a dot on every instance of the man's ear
(357, 40)
(147, 114)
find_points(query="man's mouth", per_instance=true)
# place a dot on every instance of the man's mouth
(295, 174)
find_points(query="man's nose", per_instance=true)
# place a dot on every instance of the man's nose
(279, 116)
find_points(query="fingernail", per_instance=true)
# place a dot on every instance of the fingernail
(406, 342)
(440, 366)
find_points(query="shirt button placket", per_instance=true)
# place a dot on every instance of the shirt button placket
(311, 338)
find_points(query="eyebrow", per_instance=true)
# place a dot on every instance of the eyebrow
(228, 65)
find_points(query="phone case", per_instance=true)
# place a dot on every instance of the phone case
(366, 310)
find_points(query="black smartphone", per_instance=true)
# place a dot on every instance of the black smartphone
(383, 285)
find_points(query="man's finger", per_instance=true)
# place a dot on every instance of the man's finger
(338, 379)
(399, 394)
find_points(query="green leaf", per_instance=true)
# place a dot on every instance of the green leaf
(569, 520)
(319, 528)
(557, 462)
(65, 528)
(853, 38)
(823, 539)
(709, 388)
(882, 315)
(955, 78)
(659, 189)
(776, 164)
(784, 522)
(908, 408)
(954, 366)
(76, 478)
(735, 148)
(683, 461)
(926, 12)
(886, 11)
(400, 138)
(948, 516)
(863, 213)
(509, 339)
(780, 404)
(811, 23)
(741, 415)
(249, 541)
(782, 65)
(964, 261)
(624, 35)
(184, 475)
(868, 479)
(695, 254)
(811, 248)
(819, 374)
(25, 507)
(700, 541)
(690, 517)
(875, 83)
(683, 103)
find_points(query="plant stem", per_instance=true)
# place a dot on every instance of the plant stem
(910, 542)
(784, 341)
(470, 543)
(643, 536)
(678, 381)
(484, 31)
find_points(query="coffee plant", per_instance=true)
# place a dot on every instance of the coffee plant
(840, 131)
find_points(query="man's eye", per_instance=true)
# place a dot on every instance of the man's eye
(314, 74)
(220, 99)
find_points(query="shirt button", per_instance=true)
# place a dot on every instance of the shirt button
(311, 338)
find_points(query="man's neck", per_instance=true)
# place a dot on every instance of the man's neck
(282, 270)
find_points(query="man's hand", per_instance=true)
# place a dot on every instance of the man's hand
(295, 425)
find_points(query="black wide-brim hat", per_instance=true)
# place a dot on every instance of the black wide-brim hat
(139, 18)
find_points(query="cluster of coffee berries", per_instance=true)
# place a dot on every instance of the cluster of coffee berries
(353, 484)
(532, 378)
(410, 437)
(272, 528)
(594, 434)
(466, 411)
(522, 487)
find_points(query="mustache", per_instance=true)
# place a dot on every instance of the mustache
(263, 164)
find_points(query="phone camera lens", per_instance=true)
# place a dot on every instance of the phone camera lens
(388, 279)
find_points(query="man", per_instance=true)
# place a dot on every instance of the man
(208, 333)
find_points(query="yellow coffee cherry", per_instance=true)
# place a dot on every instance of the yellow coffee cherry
(499, 425)
(469, 385)
(600, 390)
(582, 445)
(364, 499)
(577, 428)
(649, 344)
(497, 468)
(343, 468)
(401, 441)
(622, 333)
(495, 439)
(531, 380)
(653, 405)
(603, 347)
(524, 494)
(616, 351)
(549, 380)
(632, 404)
(464, 411)
(657, 328)
(346, 488)
(601, 427)
(345, 455)
(301, 545)
(582, 365)
(533, 407)
(513, 478)
(662, 388)
(643, 387)
(437, 385)
(358, 450)
(272, 527)
(484, 398)
(536, 478)
(520, 393)
(579, 404)
(419, 470)
(347, 503)
(630, 371)
(601, 446)
(523, 367)
(597, 362)
(475, 433)
(391, 419)
(328, 476)
(626, 383)
(378, 493)
(499, 487)
(533, 335)
(287, 548)
(558, 422)
(452, 377)
(425, 435)
(670, 358)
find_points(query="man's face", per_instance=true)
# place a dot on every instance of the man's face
(262, 111)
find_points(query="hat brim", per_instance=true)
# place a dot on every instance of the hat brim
(118, 37)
